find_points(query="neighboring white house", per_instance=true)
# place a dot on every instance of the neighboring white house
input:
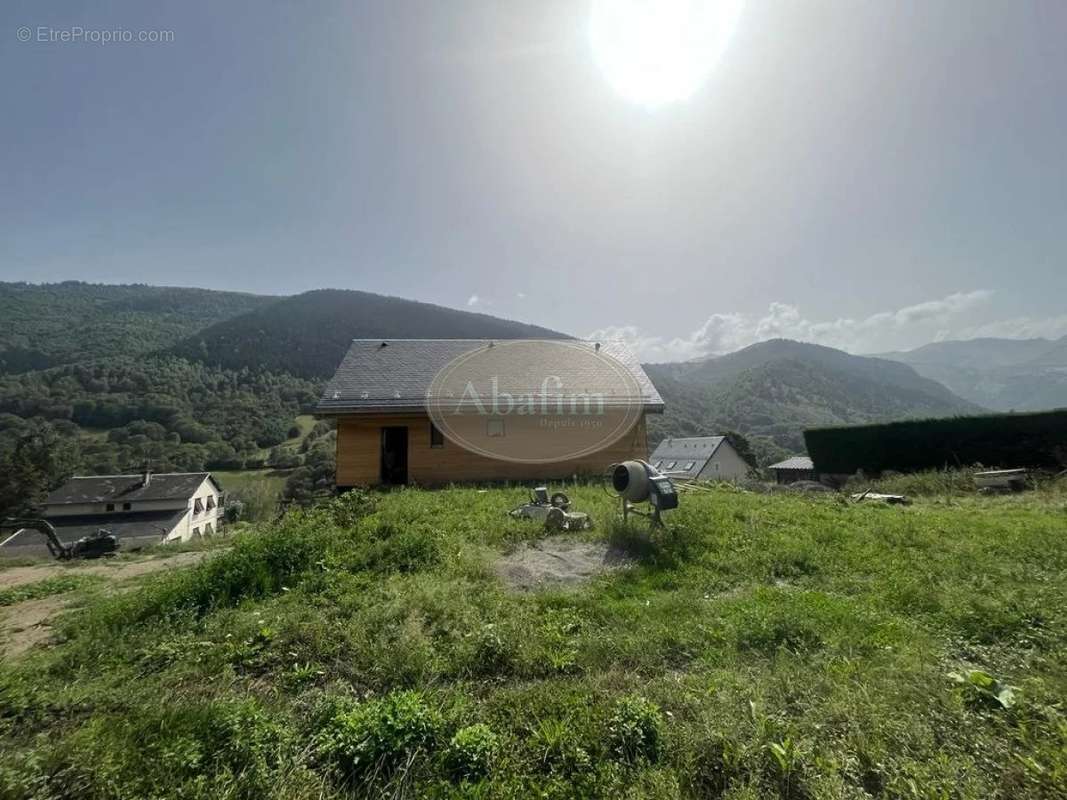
(705, 458)
(138, 509)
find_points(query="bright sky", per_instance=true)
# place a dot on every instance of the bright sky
(869, 175)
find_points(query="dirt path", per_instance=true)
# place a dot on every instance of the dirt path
(557, 561)
(118, 570)
(26, 624)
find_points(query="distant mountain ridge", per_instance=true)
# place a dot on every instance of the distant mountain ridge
(773, 390)
(1001, 374)
(308, 334)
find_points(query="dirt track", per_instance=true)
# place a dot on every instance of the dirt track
(25, 624)
(118, 570)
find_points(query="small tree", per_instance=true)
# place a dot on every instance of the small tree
(39, 462)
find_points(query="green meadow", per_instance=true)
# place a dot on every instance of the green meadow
(763, 646)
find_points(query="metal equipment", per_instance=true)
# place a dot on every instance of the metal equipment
(553, 511)
(101, 543)
(640, 482)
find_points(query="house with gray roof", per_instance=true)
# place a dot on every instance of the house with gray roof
(793, 469)
(436, 411)
(141, 509)
(705, 458)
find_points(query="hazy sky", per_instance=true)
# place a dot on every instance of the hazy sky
(871, 175)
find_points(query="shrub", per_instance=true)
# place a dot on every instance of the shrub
(490, 654)
(635, 731)
(379, 737)
(472, 751)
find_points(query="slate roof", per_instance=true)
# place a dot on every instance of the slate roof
(131, 529)
(127, 488)
(395, 374)
(695, 450)
(794, 463)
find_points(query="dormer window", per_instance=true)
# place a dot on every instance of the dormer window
(210, 502)
(198, 506)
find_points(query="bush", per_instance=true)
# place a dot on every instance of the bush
(472, 751)
(379, 737)
(635, 731)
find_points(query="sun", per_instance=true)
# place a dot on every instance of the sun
(655, 52)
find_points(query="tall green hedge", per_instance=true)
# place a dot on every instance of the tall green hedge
(995, 440)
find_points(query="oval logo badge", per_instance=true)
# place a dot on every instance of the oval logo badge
(535, 401)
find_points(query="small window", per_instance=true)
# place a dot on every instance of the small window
(208, 529)
(198, 506)
(437, 439)
(671, 464)
(210, 502)
(689, 465)
(109, 507)
(127, 506)
(494, 427)
(196, 531)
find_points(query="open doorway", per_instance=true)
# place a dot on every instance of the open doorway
(395, 455)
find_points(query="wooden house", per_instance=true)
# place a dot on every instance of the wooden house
(388, 432)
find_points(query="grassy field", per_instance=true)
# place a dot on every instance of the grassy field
(766, 646)
(244, 479)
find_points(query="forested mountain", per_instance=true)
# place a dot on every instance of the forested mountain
(308, 335)
(772, 390)
(99, 379)
(45, 325)
(1001, 374)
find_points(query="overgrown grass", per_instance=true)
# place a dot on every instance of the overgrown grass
(46, 587)
(765, 646)
(953, 483)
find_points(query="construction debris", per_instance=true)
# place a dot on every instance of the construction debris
(1001, 480)
(553, 511)
(888, 499)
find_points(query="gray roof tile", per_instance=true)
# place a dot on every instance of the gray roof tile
(692, 449)
(795, 462)
(381, 374)
(127, 488)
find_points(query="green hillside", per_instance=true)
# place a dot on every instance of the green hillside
(101, 379)
(308, 335)
(773, 390)
(46, 325)
(769, 646)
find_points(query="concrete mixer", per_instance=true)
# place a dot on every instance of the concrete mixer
(640, 482)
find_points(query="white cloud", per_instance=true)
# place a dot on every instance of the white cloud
(473, 300)
(724, 333)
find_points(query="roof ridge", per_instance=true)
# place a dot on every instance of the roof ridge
(137, 475)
